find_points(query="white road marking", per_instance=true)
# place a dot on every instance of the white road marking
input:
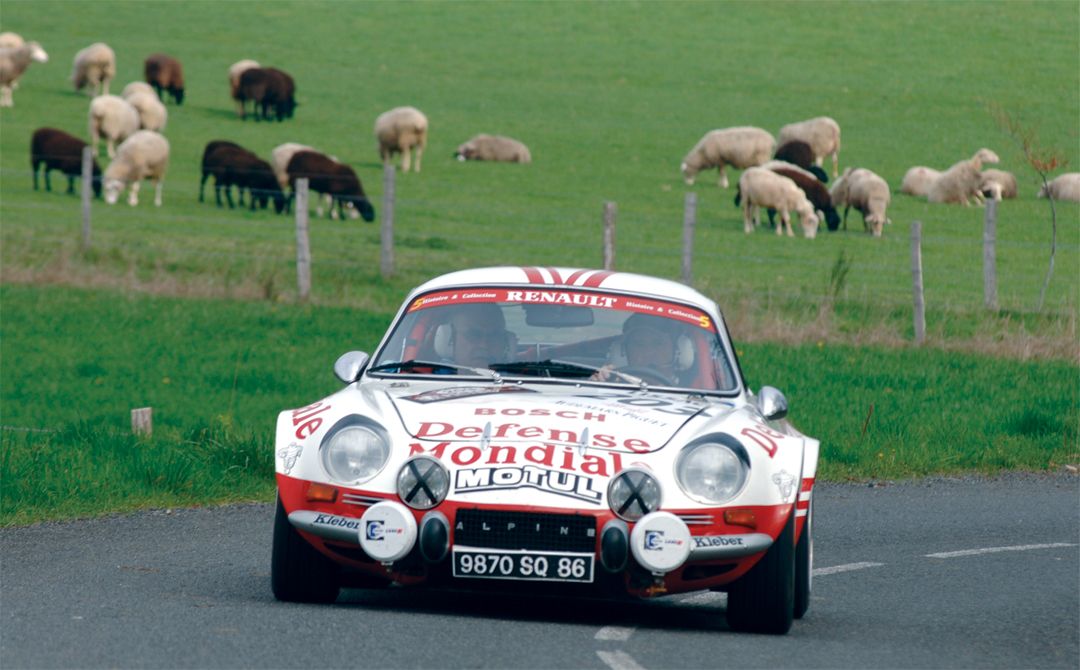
(844, 568)
(619, 660)
(617, 633)
(707, 598)
(994, 550)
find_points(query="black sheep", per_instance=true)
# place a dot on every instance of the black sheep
(286, 103)
(267, 87)
(799, 153)
(60, 151)
(815, 192)
(210, 148)
(231, 164)
(326, 175)
(164, 72)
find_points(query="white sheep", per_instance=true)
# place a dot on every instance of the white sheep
(13, 62)
(821, 133)
(96, 64)
(493, 148)
(998, 184)
(1065, 187)
(866, 192)
(11, 41)
(398, 131)
(152, 112)
(279, 161)
(113, 118)
(137, 87)
(961, 181)
(917, 180)
(235, 70)
(144, 155)
(740, 147)
(764, 188)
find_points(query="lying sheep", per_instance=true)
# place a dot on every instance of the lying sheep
(765, 188)
(917, 180)
(400, 130)
(13, 62)
(740, 147)
(801, 154)
(493, 148)
(96, 64)
(231, 165)
(164, 72)
(1065, 187)
(961, 181)
(266, 88)
(137, 87)
(866, 192)
(152, 112)
(235, 70)
(329, 177)
(11, 41)
(113, 118)
(144, 155)
(821, 133)
(58, 150)
(998, 184)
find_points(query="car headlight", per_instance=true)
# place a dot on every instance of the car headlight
(633, 493)
(423, 482)
(713, 470)
(354, 451)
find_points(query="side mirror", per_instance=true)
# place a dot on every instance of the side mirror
(350, 365)
(772, 403)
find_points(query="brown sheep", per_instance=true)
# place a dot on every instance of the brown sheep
(329, 177)
(60, 151)
(164, 72)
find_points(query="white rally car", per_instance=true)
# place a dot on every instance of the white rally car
(554, 429)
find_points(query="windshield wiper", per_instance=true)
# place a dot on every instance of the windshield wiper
(413, 364)
(546, 368)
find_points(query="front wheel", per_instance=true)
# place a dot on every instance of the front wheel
(298, 572)
(804, 562)
(763, 600)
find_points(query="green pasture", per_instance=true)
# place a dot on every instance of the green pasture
(608, 96)
(216, 373)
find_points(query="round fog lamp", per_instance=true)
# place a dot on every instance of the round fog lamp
(633, 493)
(423, 482)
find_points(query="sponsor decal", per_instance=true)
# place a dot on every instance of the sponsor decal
(786, 481)
(578, 487)
(765, 438)
(337, 521)
(376, 530)
(306, 420)
(655, 541)
(467, 392)
(430, 430)
(565, 458)
(717, 541)
(289, 455)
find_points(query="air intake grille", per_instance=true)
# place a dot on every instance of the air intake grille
(525, 530)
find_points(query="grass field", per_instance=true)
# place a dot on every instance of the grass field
(609, 97)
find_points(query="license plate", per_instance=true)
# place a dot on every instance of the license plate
(545, 566)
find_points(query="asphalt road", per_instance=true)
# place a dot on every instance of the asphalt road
(191, 589)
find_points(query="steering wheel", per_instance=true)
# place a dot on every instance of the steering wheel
(648, 374)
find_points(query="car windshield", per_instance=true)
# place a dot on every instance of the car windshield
(572, 335)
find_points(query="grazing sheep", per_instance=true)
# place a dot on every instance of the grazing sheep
(741, 147)
(60, 151)
(815, 192)
(1065, 187)
(280, 158)
(398, 131)
(96, 64)
(13, 62)
(917, 180)
(152, 112)
(821, 133)
(866, 192)
(235, 71)
(493, 148)
(329, 177)
(113, 118)
(961, 181)
(998, 184)
(137, 87)
(144, 155)
(267, 87)
(164, 72)
(801, 154)
(11, 41)
(232, 164)
(286, 103)
(764, 188)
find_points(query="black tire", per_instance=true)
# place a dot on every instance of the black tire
(763, 600)
(804, 563)
(298, 572)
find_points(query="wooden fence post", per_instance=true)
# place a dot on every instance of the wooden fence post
(87, 186)
(387, 220)
(916, 281)
(141, 421)
(688, 220)
(609, 236)
(990, 255)
(303, 243)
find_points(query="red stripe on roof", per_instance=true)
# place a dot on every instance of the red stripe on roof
(533, 275)
(570, 280)
(556, 278)
(597, 279)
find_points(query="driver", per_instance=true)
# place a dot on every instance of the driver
(648, 342)
(479, 336)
